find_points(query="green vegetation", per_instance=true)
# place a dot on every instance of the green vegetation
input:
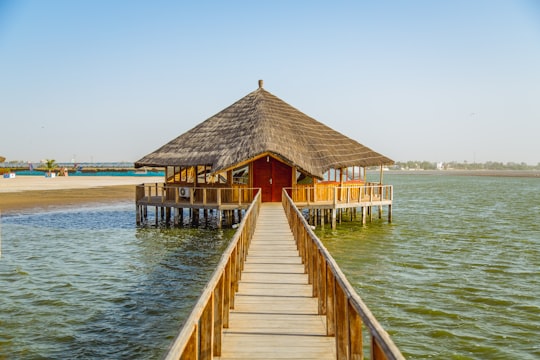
(50, 164)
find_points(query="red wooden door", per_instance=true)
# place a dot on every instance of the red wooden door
(271, 176)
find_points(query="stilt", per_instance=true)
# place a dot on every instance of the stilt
(389, 213)
(168, 215)
(157, 216)
(138, 215)
(195, 217)
(364, 215)
(334, 214)
(175, 217)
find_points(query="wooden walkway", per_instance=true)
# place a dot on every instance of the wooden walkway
(275, 315)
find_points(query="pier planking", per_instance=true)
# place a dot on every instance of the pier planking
(275, 315)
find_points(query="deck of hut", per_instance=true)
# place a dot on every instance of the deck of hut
(328, 203)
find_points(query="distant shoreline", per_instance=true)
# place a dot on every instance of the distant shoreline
(495, 173)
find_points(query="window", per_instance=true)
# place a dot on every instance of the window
(241, 175)
(303, 179)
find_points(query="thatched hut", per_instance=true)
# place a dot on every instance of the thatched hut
(260, 141)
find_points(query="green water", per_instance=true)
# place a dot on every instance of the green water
(87, 284)
(455, 276)
(457, 273)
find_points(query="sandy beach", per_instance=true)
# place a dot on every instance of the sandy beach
(40, 193)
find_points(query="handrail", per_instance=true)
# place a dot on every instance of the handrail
(162, 193)
(345, 194)
(201, 336)
(344, 309)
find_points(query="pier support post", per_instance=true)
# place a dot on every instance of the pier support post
(175, 216)
(364, 215)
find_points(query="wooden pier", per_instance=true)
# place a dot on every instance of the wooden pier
(278, 294)
(275, 314)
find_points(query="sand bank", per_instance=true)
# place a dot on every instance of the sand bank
(25, 183)
(40, 193)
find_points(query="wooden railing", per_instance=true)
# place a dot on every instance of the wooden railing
(344, 309)
(346, 194)
(201, 335)
(240, 195)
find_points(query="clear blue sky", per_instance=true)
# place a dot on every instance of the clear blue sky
(415, 80)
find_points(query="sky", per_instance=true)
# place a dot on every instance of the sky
(440, 81)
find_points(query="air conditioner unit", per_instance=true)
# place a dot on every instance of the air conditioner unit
(184, 192)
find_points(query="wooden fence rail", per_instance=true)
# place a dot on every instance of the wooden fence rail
(344, 309)
(201, 334)
(165, 193)
(346, 194)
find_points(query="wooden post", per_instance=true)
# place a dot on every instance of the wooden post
(364, 215)
(322, 284)
(376, 351)
(218, 316)
(330, 303)
(227, 288)
(355, 332)
(207, 329)
(342, 323)
(191, 351)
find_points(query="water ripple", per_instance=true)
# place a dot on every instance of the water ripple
(457, 274)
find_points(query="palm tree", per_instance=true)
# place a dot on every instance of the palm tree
(51, 164)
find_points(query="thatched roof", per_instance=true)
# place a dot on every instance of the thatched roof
(261, 123)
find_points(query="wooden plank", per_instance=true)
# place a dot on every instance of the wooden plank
(275, 315)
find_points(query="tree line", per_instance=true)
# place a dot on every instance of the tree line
(489, 165)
